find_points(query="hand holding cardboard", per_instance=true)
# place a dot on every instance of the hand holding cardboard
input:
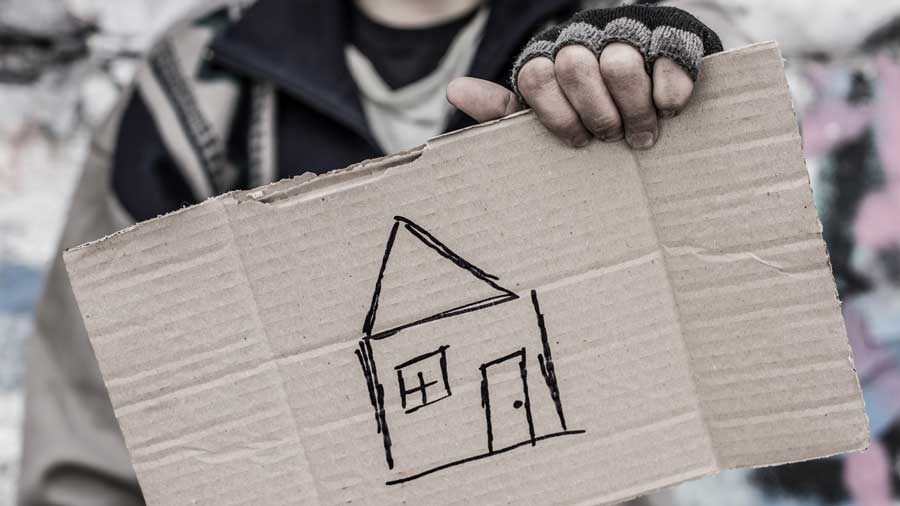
(493, 318)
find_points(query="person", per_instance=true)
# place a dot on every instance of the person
(236, 96)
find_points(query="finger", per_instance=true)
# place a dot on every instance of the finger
(578, 74)
(538, 86)
(622, 68)
(672, 87)
(480, 99)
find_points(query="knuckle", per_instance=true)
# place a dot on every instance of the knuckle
(563, 125)
(575, 65)
(604, 125)
(620, 62)
(639, 116)
(536, 75)
(640, 121)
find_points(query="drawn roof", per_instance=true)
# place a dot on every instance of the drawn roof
(407, 239)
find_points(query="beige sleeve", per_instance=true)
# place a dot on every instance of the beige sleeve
(73, 452)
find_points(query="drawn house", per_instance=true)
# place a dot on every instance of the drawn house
(444, 373)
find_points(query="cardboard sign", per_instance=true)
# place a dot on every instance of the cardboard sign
(492, 318)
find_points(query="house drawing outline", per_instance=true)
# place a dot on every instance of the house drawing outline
(423, 379)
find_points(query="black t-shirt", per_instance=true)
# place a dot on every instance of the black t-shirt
(402, 56)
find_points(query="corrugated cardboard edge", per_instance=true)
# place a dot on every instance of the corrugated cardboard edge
(799, 146)
(868, 438)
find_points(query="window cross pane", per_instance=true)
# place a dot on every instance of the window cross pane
(423, 380)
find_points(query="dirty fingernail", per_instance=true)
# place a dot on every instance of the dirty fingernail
(669, 113)
(581, 142)
(641, 140)
(616, 137)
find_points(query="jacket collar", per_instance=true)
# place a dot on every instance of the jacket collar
(298, 46)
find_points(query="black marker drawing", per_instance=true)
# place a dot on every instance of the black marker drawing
(422, 386)
(423, 380)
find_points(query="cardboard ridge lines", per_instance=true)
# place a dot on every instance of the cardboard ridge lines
(492, 318)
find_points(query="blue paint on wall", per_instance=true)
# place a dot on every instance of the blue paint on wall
(20, 286)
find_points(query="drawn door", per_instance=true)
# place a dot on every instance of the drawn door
(504, 396)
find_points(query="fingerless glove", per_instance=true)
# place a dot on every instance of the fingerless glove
(654, 31)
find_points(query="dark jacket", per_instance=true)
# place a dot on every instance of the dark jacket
(296, 47)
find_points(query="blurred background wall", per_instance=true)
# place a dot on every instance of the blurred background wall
(62, 65)
(64, 62)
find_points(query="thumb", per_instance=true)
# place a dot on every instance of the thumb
(480, 99)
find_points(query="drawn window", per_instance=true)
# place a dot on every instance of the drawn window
(423, 380)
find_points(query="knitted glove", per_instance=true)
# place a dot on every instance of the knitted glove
(654, 31)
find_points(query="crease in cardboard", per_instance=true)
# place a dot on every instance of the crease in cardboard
(743, 196)
(251, 452)
(263, 332)
(717, 257)
(795, 414)
(146, 449)
(711, 151)
(187, 450)
(138, 405)
(138, 376)
(639, 170)
(596, 272)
